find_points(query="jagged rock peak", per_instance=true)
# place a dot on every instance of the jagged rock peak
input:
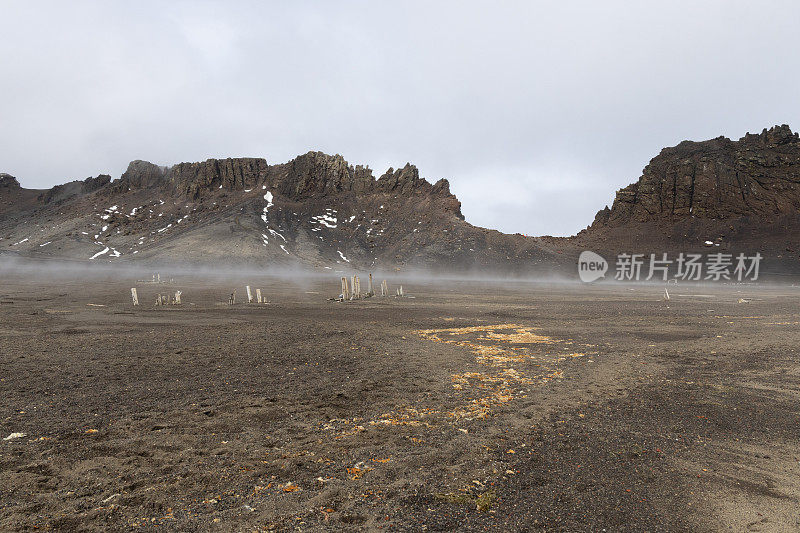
(9, 181)
(774, 136)
(403, 180)
(319, 173)
(142, 175)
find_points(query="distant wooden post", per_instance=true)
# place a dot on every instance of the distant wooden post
(258, 296)
(384, 288)
(666, 294)
(232, 298)
(401, 290)
(159, 277)
(249, 294)
(178, 297)
(370, 292)
(134, 296)
(345, 290)
(158, 300)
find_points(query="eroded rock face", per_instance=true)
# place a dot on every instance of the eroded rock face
(191, 179)
(757, 176)
(316, 173)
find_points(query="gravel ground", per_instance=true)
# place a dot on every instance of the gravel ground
(464, 407)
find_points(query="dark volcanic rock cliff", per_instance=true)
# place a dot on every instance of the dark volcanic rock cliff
(730, 196)
(757, 176)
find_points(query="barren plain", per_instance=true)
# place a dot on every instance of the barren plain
(504, 406)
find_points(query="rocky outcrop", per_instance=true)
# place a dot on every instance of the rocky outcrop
(406, 181)
(7, 181)
(141, 175)
(316, 173)
(757, 176)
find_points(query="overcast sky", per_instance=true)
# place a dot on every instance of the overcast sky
(535, 111)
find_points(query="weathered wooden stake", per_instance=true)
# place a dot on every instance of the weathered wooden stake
(384, 288)
(249, 294)
(258, 296)
(232, 298)
(134, 296)
(159, 277)
(178, 297)
(158, 300)
(345, 290)
(370, 292)
(356, 287)
(666, 294)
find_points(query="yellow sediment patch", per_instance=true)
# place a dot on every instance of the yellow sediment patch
(521, 336)
(498, 346)
(489, 342)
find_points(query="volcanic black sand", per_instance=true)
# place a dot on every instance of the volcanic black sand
(499, 407)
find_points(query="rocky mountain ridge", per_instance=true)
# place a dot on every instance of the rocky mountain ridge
(316, 210)
(319, 211)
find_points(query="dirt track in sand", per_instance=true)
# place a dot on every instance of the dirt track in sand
(542, 408)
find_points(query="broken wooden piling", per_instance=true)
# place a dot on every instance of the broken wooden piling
(134, 296)
(345, 290)
(258, 296)
(249, 294)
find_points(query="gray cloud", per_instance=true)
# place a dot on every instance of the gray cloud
(535, 111)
